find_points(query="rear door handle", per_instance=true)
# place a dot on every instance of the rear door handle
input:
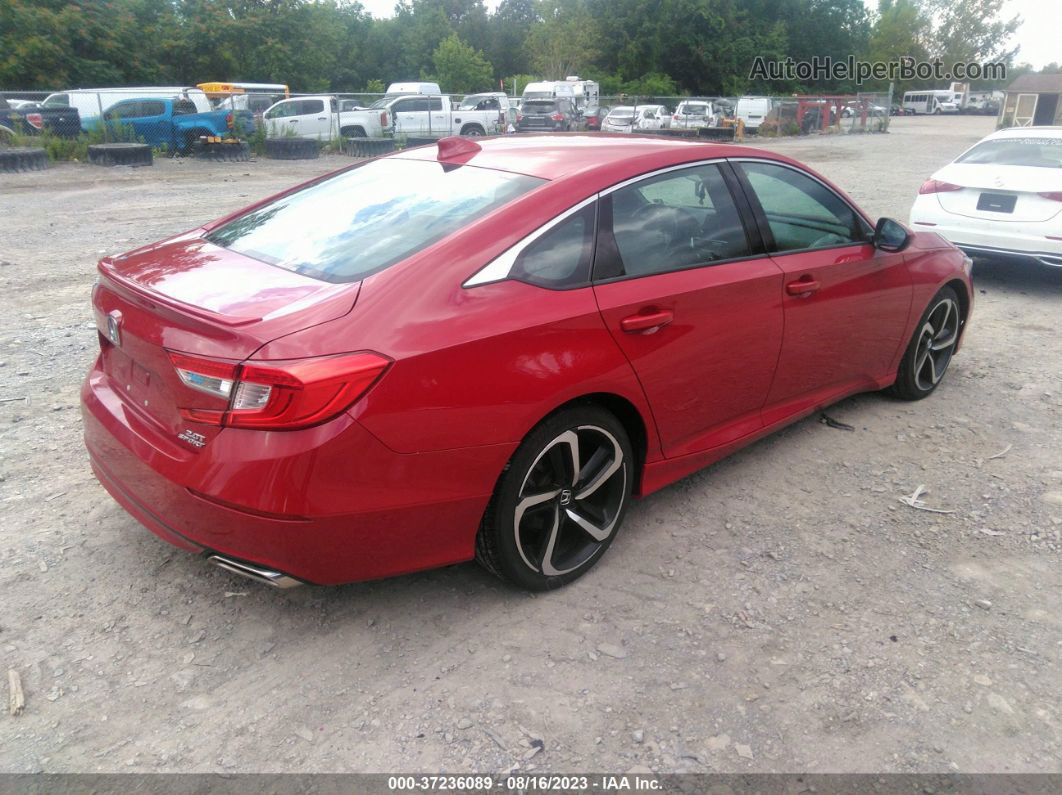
(648, 322)
(802, 287)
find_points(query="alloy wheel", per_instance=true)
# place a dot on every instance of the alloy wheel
(936, 344)
(570, 500)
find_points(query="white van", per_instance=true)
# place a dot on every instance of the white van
(91, 102)
(753, 110)
(926, 101)
(431, 89)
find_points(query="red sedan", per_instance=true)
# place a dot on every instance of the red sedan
(486, 349)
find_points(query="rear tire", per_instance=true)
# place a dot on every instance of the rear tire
(550, 519)
(472, 130)
(931, 348)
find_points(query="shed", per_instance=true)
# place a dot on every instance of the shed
(1032, 101)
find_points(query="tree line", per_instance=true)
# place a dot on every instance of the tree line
(643, 47)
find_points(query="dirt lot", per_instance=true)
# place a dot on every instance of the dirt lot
(781, 611)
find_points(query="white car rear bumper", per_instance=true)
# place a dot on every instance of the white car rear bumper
(1031, 241)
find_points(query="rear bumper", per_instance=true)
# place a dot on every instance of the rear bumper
(982, 237)
(327, 505)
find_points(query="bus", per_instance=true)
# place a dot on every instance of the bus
(931, 101)
(255, 97)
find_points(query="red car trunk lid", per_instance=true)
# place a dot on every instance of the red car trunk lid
(191, 296)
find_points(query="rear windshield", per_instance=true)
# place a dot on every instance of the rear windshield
(622, 114)
(1042, 152)
(693, 110)
(539, 106)
(366, 219)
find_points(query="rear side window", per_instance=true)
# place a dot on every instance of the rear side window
(801, 212)
(560, 258)
(308, 107)
(354, 224)
(184, 108)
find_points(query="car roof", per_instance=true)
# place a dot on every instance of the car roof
(615, 156)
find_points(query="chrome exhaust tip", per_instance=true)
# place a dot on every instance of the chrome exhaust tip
(257, 573)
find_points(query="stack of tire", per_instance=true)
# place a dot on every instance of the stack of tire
(120, 154)
(231, 152)
(292, 149)
(368, 147)
(23, 158)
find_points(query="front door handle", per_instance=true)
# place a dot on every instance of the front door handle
(802, 287)
(648, 322)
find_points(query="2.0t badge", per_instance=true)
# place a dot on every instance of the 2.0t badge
(193, 438)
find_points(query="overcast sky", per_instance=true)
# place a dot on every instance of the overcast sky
(1038, 36)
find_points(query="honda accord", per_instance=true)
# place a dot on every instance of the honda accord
(485, 349)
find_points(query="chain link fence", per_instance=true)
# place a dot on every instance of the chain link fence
(186, 121)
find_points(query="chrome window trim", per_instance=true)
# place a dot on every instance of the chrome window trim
(500, 268)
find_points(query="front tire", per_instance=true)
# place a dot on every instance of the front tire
(560, 502)
(931, 348)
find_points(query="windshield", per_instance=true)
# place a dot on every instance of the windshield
(1041, 152)
(366, 219)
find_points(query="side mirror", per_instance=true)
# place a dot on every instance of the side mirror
(890, 235)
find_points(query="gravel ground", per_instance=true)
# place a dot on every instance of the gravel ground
(780, 611)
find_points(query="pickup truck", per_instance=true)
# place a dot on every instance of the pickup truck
(175, 124)
(322, 118)
(33, 119)
(419, 115)
(437, 116)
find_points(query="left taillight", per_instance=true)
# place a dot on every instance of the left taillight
(557, 117)
(937, 186)
(35, 120)
(278, 395)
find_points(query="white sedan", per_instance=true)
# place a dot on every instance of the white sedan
(1002, 197)
(626, 118)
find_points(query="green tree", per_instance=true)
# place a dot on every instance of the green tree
(565, 42)
(461, 69)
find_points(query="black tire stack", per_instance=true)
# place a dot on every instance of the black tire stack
(292, 149)
(23, 158)
(120, 154)
(237, 152)
(368, 147)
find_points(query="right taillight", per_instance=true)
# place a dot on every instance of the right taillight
(937, 186)
(279, 395)
(1055, 196)
(383, 119)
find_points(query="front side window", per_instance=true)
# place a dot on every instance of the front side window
(283, 110)
(361, 221)
(801, 212)
(679, 219)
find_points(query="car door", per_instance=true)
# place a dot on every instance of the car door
(282, 117)
(313, 119)
(411, 116)
(846, 302)
(689, 295)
